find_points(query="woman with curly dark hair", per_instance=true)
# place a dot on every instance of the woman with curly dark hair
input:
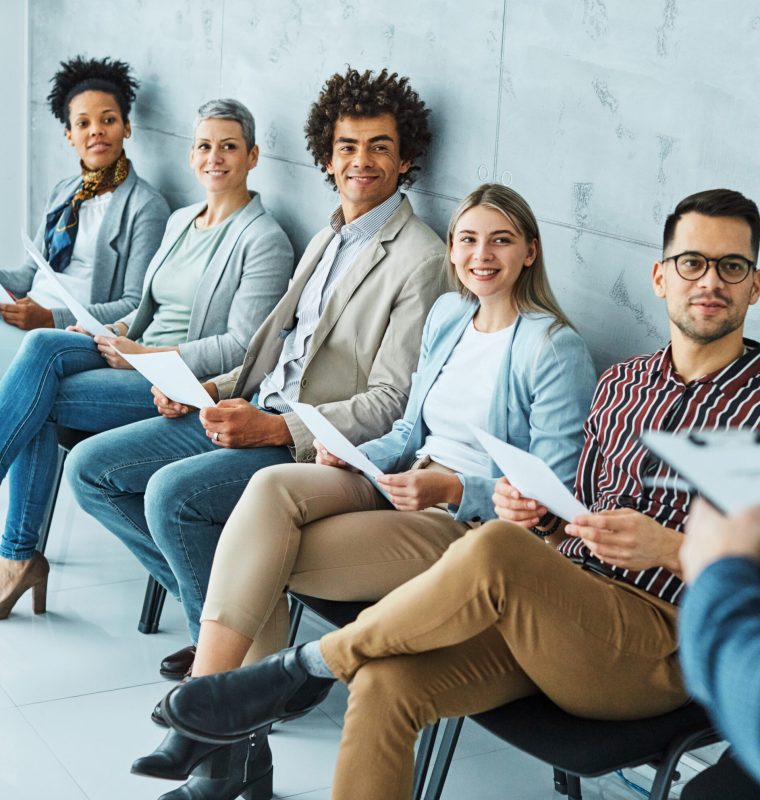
(101, 227)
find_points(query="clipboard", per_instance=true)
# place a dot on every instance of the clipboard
(723, 466)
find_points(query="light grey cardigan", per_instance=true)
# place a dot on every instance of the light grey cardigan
(128, 237)
(245, 280)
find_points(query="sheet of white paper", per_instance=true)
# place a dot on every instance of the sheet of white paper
(531, 477)
(4, 296)
(84, 318)
(172, 376)
(723, 466)
(335, 442)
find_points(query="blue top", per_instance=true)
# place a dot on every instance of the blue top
(720, 651)
(540, 401)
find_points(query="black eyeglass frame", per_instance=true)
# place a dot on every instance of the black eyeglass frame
(717, 261)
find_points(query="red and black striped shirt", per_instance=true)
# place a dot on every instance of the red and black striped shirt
(646, 393)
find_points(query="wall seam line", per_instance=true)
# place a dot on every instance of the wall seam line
(499, 90)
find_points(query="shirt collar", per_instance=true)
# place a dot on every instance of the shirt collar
(369, 223)
(664, 365)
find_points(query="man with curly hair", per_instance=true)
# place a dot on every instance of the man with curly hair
(345, 337)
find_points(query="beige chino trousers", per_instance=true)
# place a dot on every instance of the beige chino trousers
(500, 616)
(318, 530)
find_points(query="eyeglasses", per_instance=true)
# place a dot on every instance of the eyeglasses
(691, 266)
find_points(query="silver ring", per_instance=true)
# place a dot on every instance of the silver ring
(216, 436)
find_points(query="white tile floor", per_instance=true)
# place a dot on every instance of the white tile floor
(78, 683)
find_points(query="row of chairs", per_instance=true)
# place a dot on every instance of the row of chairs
(573, 746)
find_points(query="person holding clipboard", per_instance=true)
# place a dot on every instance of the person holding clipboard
(222, 266)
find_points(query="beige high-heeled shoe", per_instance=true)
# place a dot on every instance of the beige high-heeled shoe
(14, 582)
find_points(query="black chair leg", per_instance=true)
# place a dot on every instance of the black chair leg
(573, 787)
(442, 763)
(666, 769)
(422, 761)
(153, 605)
(560, 781)
(296, 612)
(47, 520)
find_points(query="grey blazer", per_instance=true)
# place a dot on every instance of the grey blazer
(128, 237)
(364, 349)
(246, 277)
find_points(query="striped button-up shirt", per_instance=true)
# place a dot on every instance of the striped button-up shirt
(344, 248)
(616, 470)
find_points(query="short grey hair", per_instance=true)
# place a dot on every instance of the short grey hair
(227, 108)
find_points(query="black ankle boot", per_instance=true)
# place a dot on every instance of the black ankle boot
(178, 756)
(250, 775)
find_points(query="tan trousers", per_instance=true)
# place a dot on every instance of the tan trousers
(321, 531)
(500, 616)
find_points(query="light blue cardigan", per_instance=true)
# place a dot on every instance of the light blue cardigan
(129, 234)
(540, 401)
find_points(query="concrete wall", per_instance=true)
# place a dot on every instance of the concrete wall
(14, 137)
(603, 113)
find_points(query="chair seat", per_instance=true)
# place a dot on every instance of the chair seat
(588, 747)
(335, 612)
(68, 437)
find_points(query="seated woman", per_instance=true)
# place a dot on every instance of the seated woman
(499, 355)
(100, 228)
(222, 266)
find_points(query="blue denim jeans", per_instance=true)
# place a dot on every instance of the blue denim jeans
(166, 491)
(56, 378)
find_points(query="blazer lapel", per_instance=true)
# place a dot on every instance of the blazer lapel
(107, 256)
(367, 260)
(215, 270)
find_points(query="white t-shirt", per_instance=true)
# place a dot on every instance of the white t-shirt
(77, 277)
(461, 396)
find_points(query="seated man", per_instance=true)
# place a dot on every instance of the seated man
(345, 337)
(591, 622)
(720, 642)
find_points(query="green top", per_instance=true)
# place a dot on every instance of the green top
(176, 281)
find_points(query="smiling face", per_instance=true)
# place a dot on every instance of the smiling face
(366, 162)
(708, 308)
(97, 129)
(489, 252)
(219, 156)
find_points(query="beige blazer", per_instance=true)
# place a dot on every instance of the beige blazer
(360, 359)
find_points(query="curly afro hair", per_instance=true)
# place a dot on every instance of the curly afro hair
(91, 74)
(358, 94)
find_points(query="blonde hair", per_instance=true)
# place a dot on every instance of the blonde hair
(532, 292)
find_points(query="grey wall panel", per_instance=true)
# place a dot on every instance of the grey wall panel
(602, 112)
(277, 56)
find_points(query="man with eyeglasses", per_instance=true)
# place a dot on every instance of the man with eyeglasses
(590, 621)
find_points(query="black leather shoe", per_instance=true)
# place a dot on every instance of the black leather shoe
(250, 775)
(157, 717)
(227, 706)
(176, 665)
(178, 756)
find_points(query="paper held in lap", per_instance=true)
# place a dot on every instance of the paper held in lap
(167, 371)
(723, 466)
(531, 477)
(335, 442)
(4, 296)
(83, 316)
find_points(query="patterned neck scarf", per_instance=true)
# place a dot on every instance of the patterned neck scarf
(63, 221)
